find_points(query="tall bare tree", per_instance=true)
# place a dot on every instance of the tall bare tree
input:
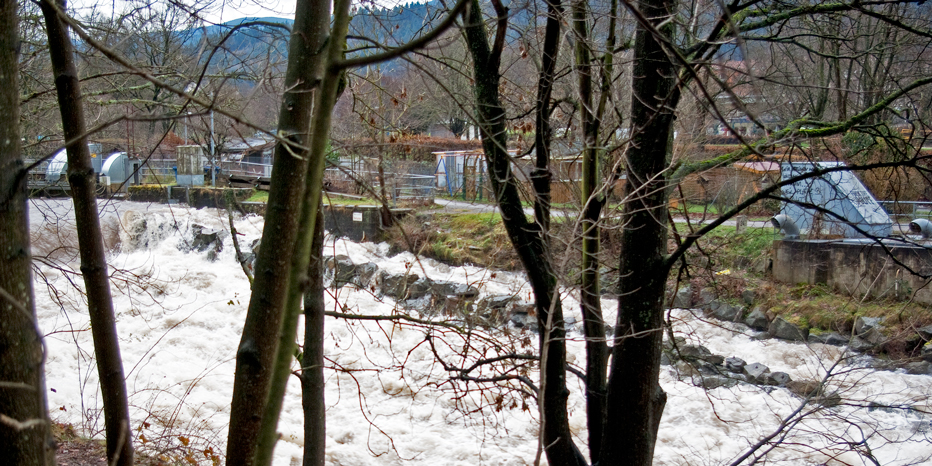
(83, 182)
(25, 431)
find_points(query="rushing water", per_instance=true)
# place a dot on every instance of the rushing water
(180, 315)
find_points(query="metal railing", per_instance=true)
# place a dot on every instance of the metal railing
(910, 209)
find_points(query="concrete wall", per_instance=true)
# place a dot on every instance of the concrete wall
(358, 223)
(856, 268)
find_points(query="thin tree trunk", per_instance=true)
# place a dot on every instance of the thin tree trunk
(83, 183)
(320, 129)
(258, 347)
(543, 134)
(590, 288)
(312, 362)
(635, 400)
(525, 237)
(25, 437)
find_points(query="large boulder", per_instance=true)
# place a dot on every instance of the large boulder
(784, 330)
(757, 372)
(727, 312)
(870, 329)
(204, 239)
(832, 338)
(397, 285)
(341, 269)
(365, 273)
(683, 298)
(757, 319)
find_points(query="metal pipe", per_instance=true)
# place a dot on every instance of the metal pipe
(785, 224)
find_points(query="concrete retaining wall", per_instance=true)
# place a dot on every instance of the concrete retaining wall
(856, 268)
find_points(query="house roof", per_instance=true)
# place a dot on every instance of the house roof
(759, 167)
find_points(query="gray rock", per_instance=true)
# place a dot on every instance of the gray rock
(757, 319)
(926, 351)
(925, 332)
(860, 345)
(734, 364)
(420, 288)
(863, 324)
(784, 330)
(710, 382)
(748, 296)
(778, 378)
(706, 296)
(442, 288)
(458, 306)
(728, 313)
(832, 338)
(521, 319)
(206, 240)
(365, 273)
(396, 286)
(756, 372)
(343, 270)
(500, 302)
(918, 368)
(694, 352)
(683, 298)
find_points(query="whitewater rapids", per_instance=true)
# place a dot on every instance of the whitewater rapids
(180, 316)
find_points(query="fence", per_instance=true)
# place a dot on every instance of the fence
(907, 209)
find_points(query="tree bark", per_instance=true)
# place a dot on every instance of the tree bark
(635, 400)
(83, 182)
(22, 371)
(258, 347)
(542, 136)
(590, 288)
(525, 237)
(312, 361)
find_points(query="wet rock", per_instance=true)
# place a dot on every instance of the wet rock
(204, 239)
(442, 288)
(757, 319)
(364, 274)
(341, 269)
(420, 288)
(499, 302)
(925, 332)
(784, 330)
(870, 329)
(706, 297)
(396, 285)
(778, 378)
(727, 312)
(926, 351)
(918, 368)
(682, 299)
(735, 365)
(860, 345)
(832, 338)
(756, 372)
(710, 382)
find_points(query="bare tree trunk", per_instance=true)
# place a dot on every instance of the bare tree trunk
(25, 437)
(83, 183)
(526, 237)
(590, 288)
(635, 400)
(258, 347)
(542, 136)
(312, 362)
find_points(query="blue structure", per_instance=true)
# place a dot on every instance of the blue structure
(851, 205)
